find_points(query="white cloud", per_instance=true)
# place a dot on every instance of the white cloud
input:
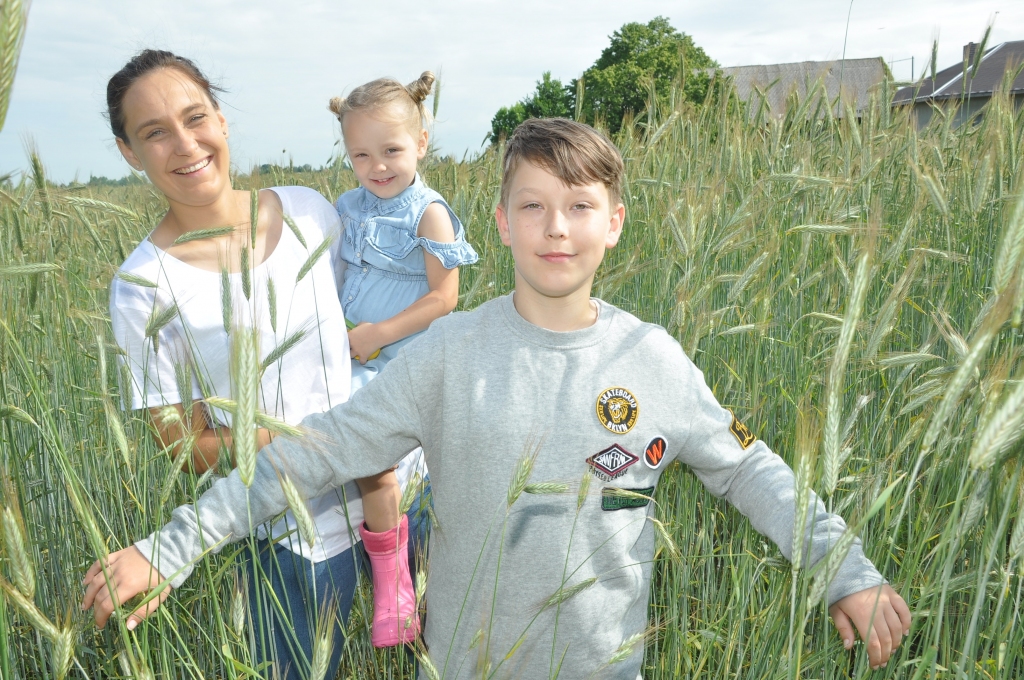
(282, 62)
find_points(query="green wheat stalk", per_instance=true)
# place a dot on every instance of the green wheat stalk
(834, 457)
(312, 259)
(200, 234)
(245, 384)
(26, 269)
(102, 206)
(135, 279)
(295, 229)
(13, 18)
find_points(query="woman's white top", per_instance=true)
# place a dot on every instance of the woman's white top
(192, 352)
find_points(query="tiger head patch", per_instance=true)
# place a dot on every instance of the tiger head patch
(617, 410)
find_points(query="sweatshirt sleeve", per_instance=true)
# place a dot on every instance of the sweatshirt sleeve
(370, 433)
(734, 465)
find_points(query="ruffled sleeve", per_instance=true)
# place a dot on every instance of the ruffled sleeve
(451, 255)
(455, 254)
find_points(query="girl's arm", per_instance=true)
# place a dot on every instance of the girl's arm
(171, 434)
(367, 338)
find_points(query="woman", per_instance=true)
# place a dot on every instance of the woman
(206, 278)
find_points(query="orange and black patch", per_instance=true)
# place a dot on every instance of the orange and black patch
(742, 433)
(655, 453)
(617, 410)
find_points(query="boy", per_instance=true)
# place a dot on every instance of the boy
(544, 385)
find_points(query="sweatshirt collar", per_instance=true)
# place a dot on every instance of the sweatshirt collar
(534, 334)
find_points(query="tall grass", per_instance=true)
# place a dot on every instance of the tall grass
(852, 289)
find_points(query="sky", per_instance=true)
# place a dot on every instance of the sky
(281, 62)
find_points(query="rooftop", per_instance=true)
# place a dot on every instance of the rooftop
(949, 83)
(857, 77)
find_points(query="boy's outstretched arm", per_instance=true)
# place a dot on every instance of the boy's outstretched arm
(881, 617)
(732, 463)
(382, 422)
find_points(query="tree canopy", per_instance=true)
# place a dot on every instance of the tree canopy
(640, 59)
(551, 99)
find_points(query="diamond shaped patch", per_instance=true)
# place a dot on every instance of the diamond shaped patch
(611, 463)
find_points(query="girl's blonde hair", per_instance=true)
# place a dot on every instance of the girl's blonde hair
(386, 93)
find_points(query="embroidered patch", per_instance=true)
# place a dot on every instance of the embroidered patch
(655, 452)
(611, 463)
(617, 410)
(622, 499)
(743, 435)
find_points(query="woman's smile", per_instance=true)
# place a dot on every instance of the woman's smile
(192, 169)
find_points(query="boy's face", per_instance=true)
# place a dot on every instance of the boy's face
(558, 233)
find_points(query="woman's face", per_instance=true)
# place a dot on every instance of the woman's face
(177, 136)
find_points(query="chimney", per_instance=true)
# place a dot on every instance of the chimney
(969, 51)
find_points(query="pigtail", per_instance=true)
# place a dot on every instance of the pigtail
(421, 88)
(339, 107)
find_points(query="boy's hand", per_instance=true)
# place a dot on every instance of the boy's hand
(881, 616)
(130, 574)
(363, 342)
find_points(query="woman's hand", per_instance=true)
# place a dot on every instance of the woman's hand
(129, 574)
(881, 616)
(364, 342)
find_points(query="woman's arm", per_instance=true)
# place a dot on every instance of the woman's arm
(171, 434)
(367, 338)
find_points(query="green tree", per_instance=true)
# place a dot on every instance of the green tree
(639, 57)
(551, 99)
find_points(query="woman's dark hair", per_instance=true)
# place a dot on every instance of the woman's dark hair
(142, 63)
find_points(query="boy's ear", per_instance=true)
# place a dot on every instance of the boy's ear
(501, 219)
(128, 154)
(617, 220)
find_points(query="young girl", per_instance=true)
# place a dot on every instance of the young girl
(397, 270)
(167, 122)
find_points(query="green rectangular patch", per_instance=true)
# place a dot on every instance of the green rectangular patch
(621, 499)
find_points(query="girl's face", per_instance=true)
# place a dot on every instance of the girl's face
(383, 151)
(178, 137)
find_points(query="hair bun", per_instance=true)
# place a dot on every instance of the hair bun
(420, 88)
(337, 106)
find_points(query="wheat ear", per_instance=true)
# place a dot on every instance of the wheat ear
(245, 376)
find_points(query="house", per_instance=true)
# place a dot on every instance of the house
(853, 78)
(955, 88)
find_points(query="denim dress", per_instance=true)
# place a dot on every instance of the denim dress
(380, 267)
(379, 270)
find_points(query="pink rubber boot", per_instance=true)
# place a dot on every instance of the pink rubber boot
(395, 619)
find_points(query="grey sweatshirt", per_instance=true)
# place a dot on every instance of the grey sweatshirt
(615, 403)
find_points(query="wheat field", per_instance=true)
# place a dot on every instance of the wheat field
(852, 288)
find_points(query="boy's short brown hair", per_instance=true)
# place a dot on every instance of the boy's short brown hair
(573, 152)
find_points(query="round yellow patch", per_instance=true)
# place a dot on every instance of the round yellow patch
(617, 409)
